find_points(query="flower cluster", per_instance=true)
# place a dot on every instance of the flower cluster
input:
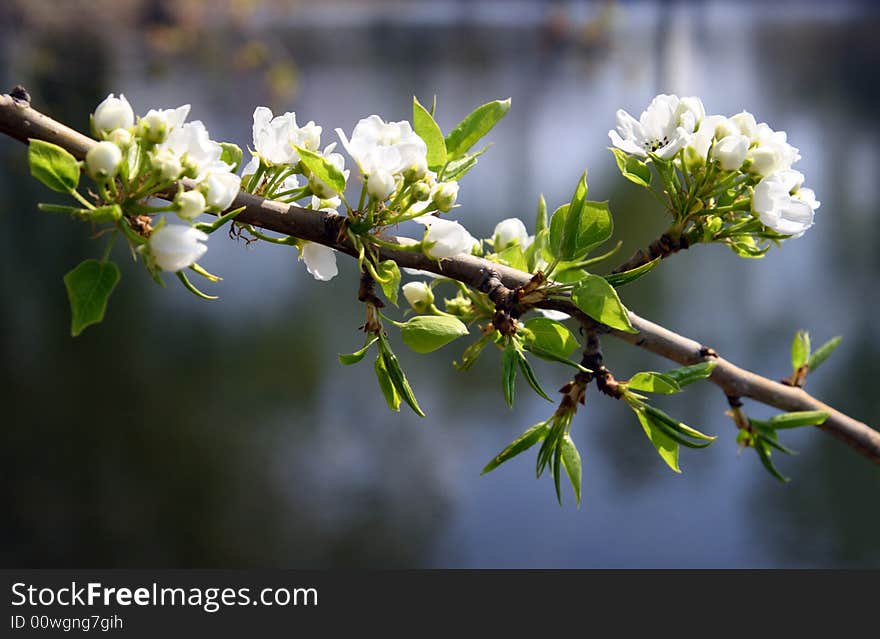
(140, 157)
(733, 171)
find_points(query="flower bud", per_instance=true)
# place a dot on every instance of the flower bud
(155, 126)
(166, 164)
(417, 170)
(380, 185)
(509, 232)
(220, 187)
(421, 191)
(190, 204)
(730, 151)
(103, 160)
(120, 137)
(175, 247)
(113, 113)
(419, 296)
(445, 195)
(445, 238)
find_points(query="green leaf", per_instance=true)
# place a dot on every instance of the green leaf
(322, 169)
(392, 397)
(89, 286)
(580, 226)
(398, 379)
(231, 154)
(456, 169)
(800, 350)
(797, 419)
(823, 352)
(471, 354)
(529, 374)
(426, 333)
(693, 373)
(53, 166)
(773, 441)
(598, 299)
(521, 444)
(549, 336)
(509, 359)
(541, 215)
(666, 447)
(619, 279)
(650, 382)
(389, 279)
(353, 358)
(474, 126)
(427, 129)
(764, 454)
(571, 461)
(632, 168)
(106, 213)
(676, 430)
(513, 257)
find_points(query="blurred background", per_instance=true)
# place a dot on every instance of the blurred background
(182, 433)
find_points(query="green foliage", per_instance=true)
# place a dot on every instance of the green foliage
(427, 333)
(354, 358)
(650, 382)
(388, 276)
(693, 373)
(532, 436)
(800, 350)
(548, 339)
(231, 155)
(427, 129)
(823, 352)
(322, 169)
(473, 127)
(89, 286)
(619, 279)
(598, 299)
(396, 377)
(632, 168)
(53, 166)
(386, 385)
(579, 226)
(509, 358)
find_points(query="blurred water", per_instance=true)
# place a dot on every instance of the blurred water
(182, 433)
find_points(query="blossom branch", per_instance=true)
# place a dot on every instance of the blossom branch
(20, 121)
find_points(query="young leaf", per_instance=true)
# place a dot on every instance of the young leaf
(521, 444)
(353, 358)
(471, 354)
(666, 447)
(322, 168)
(456, 169)
(800, 350)
(389, 279)
(632, 168)
(529, 374)
(392, 397)
(580, 226)
(53, 166)
(545, 335)
(619, 279)
(557, 462)
(231, 154)
(398, 379)
(822, 353)
(89, 286)
(509, 359)
(541, 215)
(797, 419)
(426, 333)
(677, 427)
(650, 382)
(764, 453)
(571, 461)
(474, 126)
(598, 299)
(693, 373)
(427, 129)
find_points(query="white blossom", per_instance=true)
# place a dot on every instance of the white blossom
(664, 128)
(320, 261)
(771, 151)
(193, 146)
(782, 205)
(445, 194)
(275, 137)
(318, 186)
(158, 123)
(389, 146)
(175, 247)
(120, 137)
(418, 295)
(190, 204)
(167, 164)
(509, 232)
(730, 151)
(103, 160)
(380, 184)
(746, 123)
(219, 185)
(113, 113)
(445, 238)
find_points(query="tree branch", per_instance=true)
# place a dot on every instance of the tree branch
(20, 121)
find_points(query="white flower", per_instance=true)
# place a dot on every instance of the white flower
(113, 113)
(445, 195)
(771, 151)
(193, 146)
(390, 146)
(730, 151)
(690, 113)
(320, 261)
(745, 121)
(120, 137)
(219, 185)
(289, 183)
(782, 205)
(251, 167)
(713, 127)
(167, 164)
(445, 238)
(103, 160)
(380, 184)
(419, 296)
(663, 128)
(175, 247)
(318, 186)
(275, 137)
(157, 124)
(509, 232)
(328, 206)
(190, 204)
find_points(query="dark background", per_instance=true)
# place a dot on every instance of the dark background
(182, 433)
